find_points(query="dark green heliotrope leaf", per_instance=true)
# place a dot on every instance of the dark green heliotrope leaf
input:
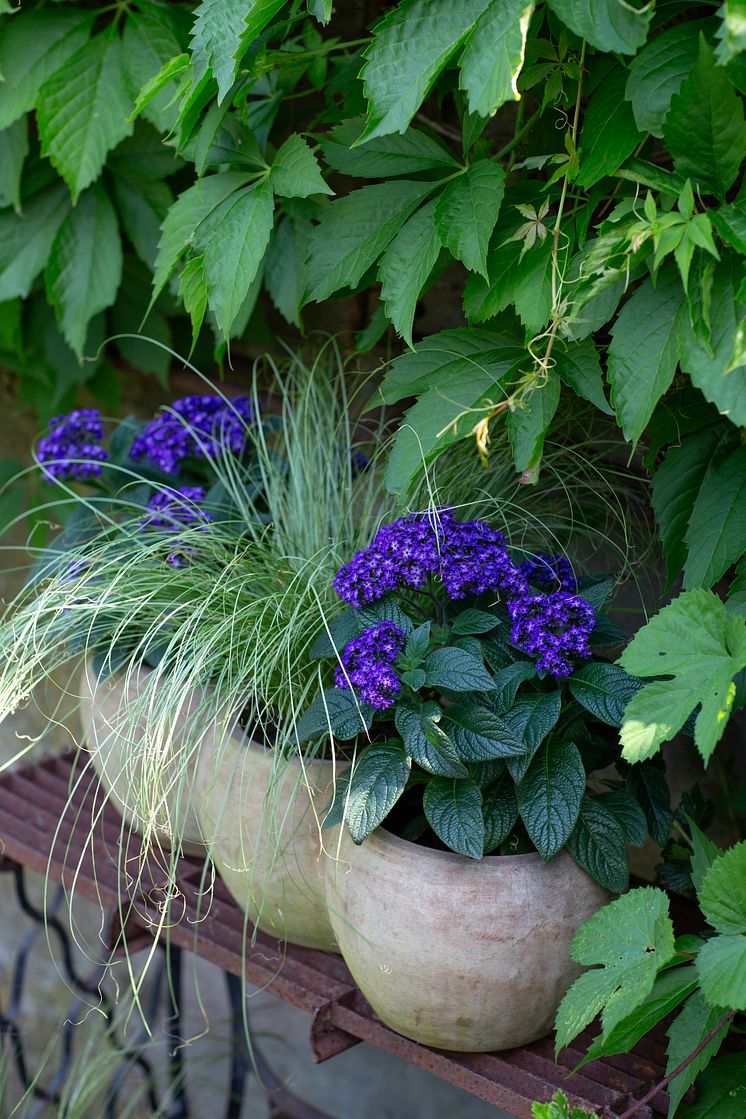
(704, 130)
(669, 990)
(701, 649)
(507, 682)
(454, 811)
(716, 534)
(13, 151)
(632, 938)
(656, 74)
(378, 779)
(25, 243)
(527, 426)
(467, 210)
(598, 844)
(550, 794)
(83, 111)
(648, 786)
(405, 267)
(474, 621)
(579, 367)
(386, 610)
(85, 265)
(411, 45)
(676, 484)
(425, 741)
(604, 690)
(610, 25)
(479, 734)
(493, 56)
(334, 711)
(295, 171)
(336, 634)
(500, 812)
(386, 157)
(354, 231)
(688, 1030)
(234, 244)
(628, 813)
(35, 44)
(417, 645)
(721, 1090)
(718, 372)
(609, 133)
(531, 718)
(644, 351)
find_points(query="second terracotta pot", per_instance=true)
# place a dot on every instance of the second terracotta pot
(457, 953)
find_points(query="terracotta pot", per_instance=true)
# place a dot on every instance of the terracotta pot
(118, 754)
(456, 953)
(260, 819)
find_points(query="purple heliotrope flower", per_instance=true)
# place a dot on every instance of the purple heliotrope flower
(367, 665)
(195, 426)
(552, 628)
(73, 447)
(469, 557)
(549, 572)
(177, 509)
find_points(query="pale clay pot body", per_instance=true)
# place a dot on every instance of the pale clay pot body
(456, 953)
(118, 761)
(261, 817)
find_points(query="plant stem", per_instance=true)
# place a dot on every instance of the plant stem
(679, 1068)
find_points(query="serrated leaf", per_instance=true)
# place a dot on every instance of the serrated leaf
(379, 777)
(632, 938)
(493, 57)
(386, 157)
(425, 742)
(704, 130)
(648, 785)
(604, 690)
(26, 240)
(479, 734)
(721, 967)
(532, 291)
(657, 72)
(445, 359)
(83, 111)
(527, 426)
(183, 221)
(675, 486)
(467, 210)
(354, 231)
(295, 171)
(500, 812)
(405, 267)
(454, 811)
(628, 814)
(531, 718)
(85, 265)
(722, 895)
(142, 205)
(721, 1091)
(335, 712)
(598, 844)
(457, 671)
(550, 795)
(411, 45)
(193, 293)
(223, 30)
(579, 367)
(712, 370)
(285, 270)
(704, 853)
(716, 535)
(644, 351)
(685, 1033)
(148, 43)
(34, 45)
(701, 649)
(234, 247)
(609, 133)
(730, 222)
(178, 67)
(13, 151)
(610, 25)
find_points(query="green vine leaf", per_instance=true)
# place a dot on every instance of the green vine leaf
(412, 153)
(716, 534)
(25, 244)
(33, 46)
(493, 57)
(657, 72)
(579, 366)
(610, 25)
(405, 267)
(223, 31)
(149, 42)
(609, 133)
(14, 148)
(295, 171)
(467, 211)
(528, 426)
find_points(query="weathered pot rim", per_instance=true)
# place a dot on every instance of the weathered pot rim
(382, 838)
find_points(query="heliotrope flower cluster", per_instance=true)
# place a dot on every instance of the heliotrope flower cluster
(469, 557)
(552, 628)
(549, 572)
(195, 426)
(73, 447)
(367, 665)
(177, 509)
